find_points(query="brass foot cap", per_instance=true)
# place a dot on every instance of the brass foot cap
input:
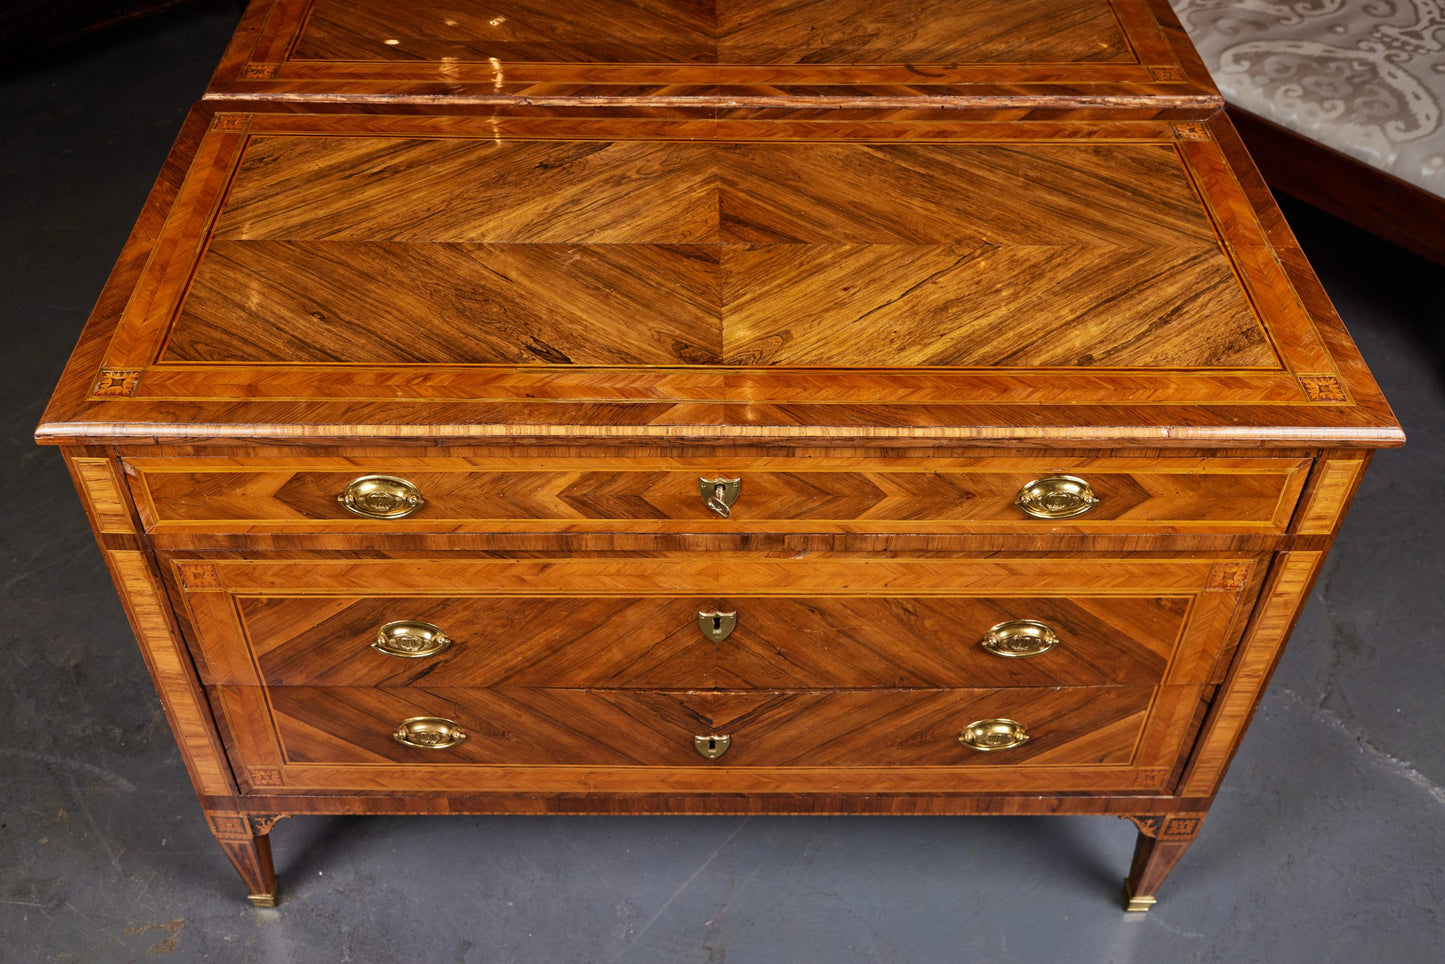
(262, 900)
(1136, 904)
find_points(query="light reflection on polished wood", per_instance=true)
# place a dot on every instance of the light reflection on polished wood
(725, 31)
(1129, 54)
(1162, 623)
(954, 495)
(598, 305)
(726, 254)
(1119, 199)
(1116, 738)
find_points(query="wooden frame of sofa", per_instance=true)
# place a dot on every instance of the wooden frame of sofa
(1338, 184)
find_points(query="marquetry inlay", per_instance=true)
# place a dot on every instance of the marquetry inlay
(557, 275)
(231, 122)
(117, 382)
(1323, 388)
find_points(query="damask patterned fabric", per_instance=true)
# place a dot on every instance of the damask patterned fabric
(1365, 77)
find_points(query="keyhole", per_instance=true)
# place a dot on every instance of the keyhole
(716, 625)
(712, 747)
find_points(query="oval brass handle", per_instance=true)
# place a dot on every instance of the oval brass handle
(713, 745)
(381, 497)
(990, 735)
(410, 638)
(1020, 637)
(720, 494)
(1057, 497)
(429, 733)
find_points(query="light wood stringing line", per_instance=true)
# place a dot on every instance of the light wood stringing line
(1331, 494)
(761, 577)
(170, 666)
(97, 480)
(1259, 650)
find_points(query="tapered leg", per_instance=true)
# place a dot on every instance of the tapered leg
(1162, 842)
(248, 845)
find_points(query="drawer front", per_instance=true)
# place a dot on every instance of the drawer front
(816, 642)
(1185, 495)
(508, 727)
(341, 737)
(662, 623)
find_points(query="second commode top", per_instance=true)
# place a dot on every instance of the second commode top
(983, 54)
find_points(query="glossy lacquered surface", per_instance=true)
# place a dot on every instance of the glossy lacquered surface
(182, 497)
(639, 741)
(1127, 54)
(501, 454)
(340, 277)
(825, 623)
(1286, 867)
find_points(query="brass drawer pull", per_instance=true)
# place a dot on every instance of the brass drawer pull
(1057, 497)
(1020, 637)
(712, 746)
(429, 733)
(411, 639)
(381, 497)
(990, 735)
(720, 494)
(717, 626)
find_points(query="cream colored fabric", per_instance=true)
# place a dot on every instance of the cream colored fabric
(1365, 77)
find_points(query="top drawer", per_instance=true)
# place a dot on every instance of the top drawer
(656, 495)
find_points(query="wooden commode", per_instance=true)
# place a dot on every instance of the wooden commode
(668, 54)
(465, 454)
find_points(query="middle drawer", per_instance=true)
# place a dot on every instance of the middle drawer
(726, 623)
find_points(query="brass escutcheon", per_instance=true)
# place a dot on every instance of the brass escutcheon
(410, 638)
(990, 735)
(720, 494)
(717, 626)
(381, 497)
(713, 746)
(429, 733)
(1057, 497)
(1020, 637)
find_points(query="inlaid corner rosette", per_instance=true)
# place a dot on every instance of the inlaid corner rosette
(1174, 826)
(116, 383)
(1323, 388)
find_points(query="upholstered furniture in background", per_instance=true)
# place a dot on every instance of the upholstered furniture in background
(1341, 102)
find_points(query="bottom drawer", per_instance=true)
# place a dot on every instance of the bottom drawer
(341, 737)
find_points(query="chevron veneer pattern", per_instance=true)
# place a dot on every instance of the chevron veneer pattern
(713, 31)
(1085, 726)
(817, 643)
(607, 253)
(553, 263)
(1139, 494)
(1131, 55)
(529, 273)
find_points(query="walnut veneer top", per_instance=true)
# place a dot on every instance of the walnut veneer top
(530, 274)
(1049, 53)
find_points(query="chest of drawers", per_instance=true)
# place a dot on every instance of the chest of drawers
(538, 460)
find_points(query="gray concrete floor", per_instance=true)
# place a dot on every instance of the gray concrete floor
(1327, 843)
